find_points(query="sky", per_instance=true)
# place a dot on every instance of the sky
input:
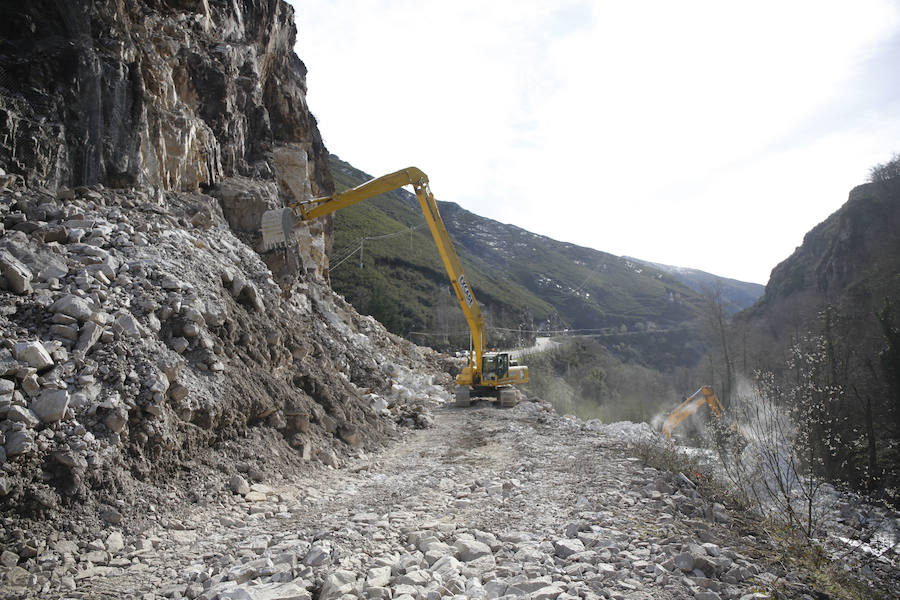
(702, 134)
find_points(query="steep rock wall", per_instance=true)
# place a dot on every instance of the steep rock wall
(174, 94)
(849, 258)
(169, 93)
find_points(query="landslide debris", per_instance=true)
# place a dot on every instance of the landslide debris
(148, 352)
(514, 503)
(148, 356)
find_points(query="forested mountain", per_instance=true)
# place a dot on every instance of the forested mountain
(525, 282)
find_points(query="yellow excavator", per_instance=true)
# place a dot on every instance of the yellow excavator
(487, 374)
(703, 396)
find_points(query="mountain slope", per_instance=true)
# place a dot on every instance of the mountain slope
(736, 294)
(850, 261)
(524, 281)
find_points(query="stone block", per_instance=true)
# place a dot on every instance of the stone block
(18, 442)
(89, 335)
(51, 405)
(33, 354)
(20, 414)
(566, 548)
(116, 420)
(337, 584)
(74, 306)
(126, 325)
(18, 276)
(469, 550)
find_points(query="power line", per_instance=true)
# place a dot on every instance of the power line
(396, 233)
(343, 260)
(361, 242)
(604, 332)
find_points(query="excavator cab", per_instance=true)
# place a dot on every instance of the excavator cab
(494, 366)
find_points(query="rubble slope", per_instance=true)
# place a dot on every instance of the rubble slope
(148, 341)
(148, 347)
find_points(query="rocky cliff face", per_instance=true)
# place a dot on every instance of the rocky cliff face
(170, 93)
(142, 337)
(849, 261)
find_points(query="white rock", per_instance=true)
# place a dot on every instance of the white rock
(116, 420)
(73, 306)
(238, 485)
(18, 442)
(446, 567)
(550, 592)
(33, 354)
(179, 344)
(468, 550)
(64, 332)
(566, 548)
(17, 274)
(22, 415)
(278, 591)
(684, 561)
(337, 584)
(378, 577)
(51, 405)
(128, 326)
(318, 555)
(89, 335)
(114, 542)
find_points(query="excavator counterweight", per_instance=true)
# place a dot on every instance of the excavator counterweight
(490, 374)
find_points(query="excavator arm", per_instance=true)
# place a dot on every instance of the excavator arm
(278, 225)
(704, 395)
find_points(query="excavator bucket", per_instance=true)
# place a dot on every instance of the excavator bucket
(277, 228)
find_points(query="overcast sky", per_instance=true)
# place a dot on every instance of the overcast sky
(702, 134)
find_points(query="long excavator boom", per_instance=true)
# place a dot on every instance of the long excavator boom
(277, 227)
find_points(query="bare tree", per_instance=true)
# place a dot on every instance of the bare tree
(717, 324)
(885, 171)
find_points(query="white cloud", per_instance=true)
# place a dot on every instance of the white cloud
(624, 126)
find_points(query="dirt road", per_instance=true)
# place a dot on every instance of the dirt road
(487, 503)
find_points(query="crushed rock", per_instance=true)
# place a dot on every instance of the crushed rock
(151, 357)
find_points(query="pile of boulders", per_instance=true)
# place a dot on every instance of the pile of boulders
(135, 324)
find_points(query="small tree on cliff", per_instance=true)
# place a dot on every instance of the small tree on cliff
(885, 171)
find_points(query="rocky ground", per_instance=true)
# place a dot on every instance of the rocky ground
(143, 342)
(184, 413)
(488, 503)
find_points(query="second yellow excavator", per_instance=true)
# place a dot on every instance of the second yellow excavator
(487, 374)
(704, 395)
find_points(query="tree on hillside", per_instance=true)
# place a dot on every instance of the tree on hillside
(885, 171)
(717, 325)
(890, 358)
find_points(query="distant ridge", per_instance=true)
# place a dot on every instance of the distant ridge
(737, 294)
